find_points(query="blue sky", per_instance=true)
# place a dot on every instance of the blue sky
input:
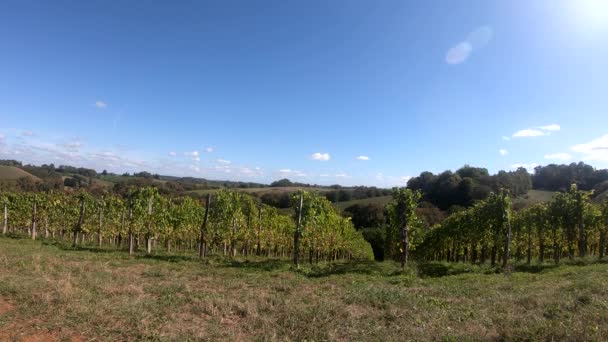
(349, 92)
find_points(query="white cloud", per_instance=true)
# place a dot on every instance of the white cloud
(380, 176)
(595, 150)
(208, 149)
(194, 155)
(529, 132)
(505, 138)
(248, 171)
(529, 167)
(405, 179)
(224, 161)
(172, 154)
(503, 152)
(460, 52)
(320, 156)
(537, 132)
(285, 171)
(324, 175)
(101, 104)
(342, 175)
(553, 127)
(362, 158)
(27, 133)
(558, 156)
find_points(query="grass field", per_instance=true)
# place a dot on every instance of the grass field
(14, 173)
(540, 195)
(50, 292)
(533, 197)
(381, 200)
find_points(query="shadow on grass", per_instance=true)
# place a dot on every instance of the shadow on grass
(80, 248)
(359, 267)
(168, 258)
(262, 265)
(320, 270)
(438, 269)
(537, 268)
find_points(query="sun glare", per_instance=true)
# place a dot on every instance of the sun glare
(591, 14)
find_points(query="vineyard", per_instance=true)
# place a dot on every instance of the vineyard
(567, 226)
(232, 223)
(229, 223)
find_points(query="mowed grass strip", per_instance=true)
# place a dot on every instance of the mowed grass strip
(50, 292)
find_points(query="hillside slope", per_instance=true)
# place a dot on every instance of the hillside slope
(14, 173)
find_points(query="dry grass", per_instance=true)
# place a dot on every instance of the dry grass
(49, 292)
(14, 173)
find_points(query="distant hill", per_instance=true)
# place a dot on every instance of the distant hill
(544, 196)
(14, 173)
(262, 191)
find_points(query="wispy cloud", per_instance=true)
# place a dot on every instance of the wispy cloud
(101, 104)
(320, 156)
(194, 155)
(506, 138)
(342, 175)
(208, 149)
(558, 156)
(553, 127)
(461, 51)
(537, 131)
(284, 173)
(595, 150)
(224, 161)
(503, 152)
(73, 146)
(363, 158)
(27, 133)
(42, 149)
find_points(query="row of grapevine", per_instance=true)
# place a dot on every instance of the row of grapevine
(229, 223)
(323, 234)
(569, 225)
(474, 234)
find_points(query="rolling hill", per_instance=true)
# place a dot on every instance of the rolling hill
(14, 173)
(261, 191)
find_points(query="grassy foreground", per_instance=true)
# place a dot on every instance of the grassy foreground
(49, 292)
